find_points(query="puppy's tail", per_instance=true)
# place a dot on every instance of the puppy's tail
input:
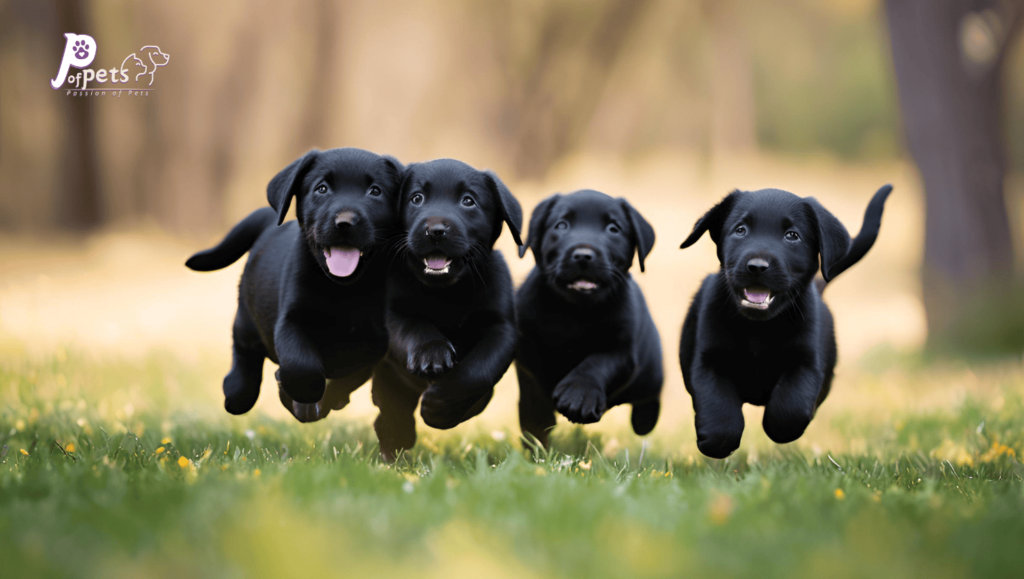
(868, 233)
(238, 241)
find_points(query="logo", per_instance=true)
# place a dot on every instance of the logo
(139, 67)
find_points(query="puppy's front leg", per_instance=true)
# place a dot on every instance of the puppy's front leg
(465, 392)
(792, 404)
(582, 395)
(718, 412)
(420, 346)
(301, 370)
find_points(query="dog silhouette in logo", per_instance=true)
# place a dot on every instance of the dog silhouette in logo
(148, 58)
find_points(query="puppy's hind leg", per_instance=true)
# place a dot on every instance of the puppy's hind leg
(242, 384)
(536, 410)
(396, 398)
(645, 416)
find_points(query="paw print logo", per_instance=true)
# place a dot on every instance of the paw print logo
(81, 49)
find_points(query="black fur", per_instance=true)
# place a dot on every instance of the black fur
(779, 352)
(585, 349)
(452, 335)
(324, 331)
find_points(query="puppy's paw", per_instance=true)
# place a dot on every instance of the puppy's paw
(303, 386)
(432, 360)
(581, 402)
(440, 411)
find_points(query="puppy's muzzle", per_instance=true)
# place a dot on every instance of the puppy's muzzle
(583, 254)
(757, 265)
(437, 228)
(346, 219)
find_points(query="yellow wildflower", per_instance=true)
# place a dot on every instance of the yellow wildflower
(165, 441)
(25, 452)
(720, 509)
(840, 495)
(997, 451)
(70, 447)
(160, 450)
(183, 462)
(256, 473)
(586, 465)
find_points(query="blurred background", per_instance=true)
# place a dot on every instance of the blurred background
(669, 103)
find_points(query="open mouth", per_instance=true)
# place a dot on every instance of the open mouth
(342, 260)
(436, 264)
(758, 298)
(583, 285)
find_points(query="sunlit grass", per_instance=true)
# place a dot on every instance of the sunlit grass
(118, 469)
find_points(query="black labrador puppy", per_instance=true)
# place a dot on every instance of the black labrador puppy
(311, 295)
(758, 332)
(450, 313)
(586, 339)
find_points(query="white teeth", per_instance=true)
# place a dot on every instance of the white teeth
(582, 285)
(758, 305)
(431, 271)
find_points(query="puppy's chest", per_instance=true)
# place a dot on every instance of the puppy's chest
(565, 341)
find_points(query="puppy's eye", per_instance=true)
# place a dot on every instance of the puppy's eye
(321, 189)
(375, 191)
(468, 201)
(561, 225)
(792, 236)
(741, 230)
(416, 199)
(612, 228)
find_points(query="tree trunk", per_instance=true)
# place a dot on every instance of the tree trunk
(948, 57)
(76, 201)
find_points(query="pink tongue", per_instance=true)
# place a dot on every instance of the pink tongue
(342, 261)
(756, 296)
(437, 262)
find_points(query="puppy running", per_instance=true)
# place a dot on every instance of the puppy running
(758, 332)
(310, 298)
(450, 312)
(586, 339)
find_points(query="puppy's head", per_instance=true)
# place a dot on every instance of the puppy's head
(583, 244)
(345, 204)
(452, 215)
(769, 243)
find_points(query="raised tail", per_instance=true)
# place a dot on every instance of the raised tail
(238, 241)
(868, 233)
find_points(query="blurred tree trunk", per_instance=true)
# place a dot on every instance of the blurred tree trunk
(948, 57)
(560, 92)
(317, 112)
(76, 198)
(733, 128)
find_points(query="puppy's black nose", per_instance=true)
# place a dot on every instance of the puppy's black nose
(583, 254)
(345, 219)
(757, 265)
(436, 228)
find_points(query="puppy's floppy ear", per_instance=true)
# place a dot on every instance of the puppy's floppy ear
(642, 232)
(394, 168)
(713, 221)
(537, 220)
(286, 184)
(833, 239)
(511, 212)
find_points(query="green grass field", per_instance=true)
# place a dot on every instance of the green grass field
(113, 469)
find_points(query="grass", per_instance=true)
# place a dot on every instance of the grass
(126, 472)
